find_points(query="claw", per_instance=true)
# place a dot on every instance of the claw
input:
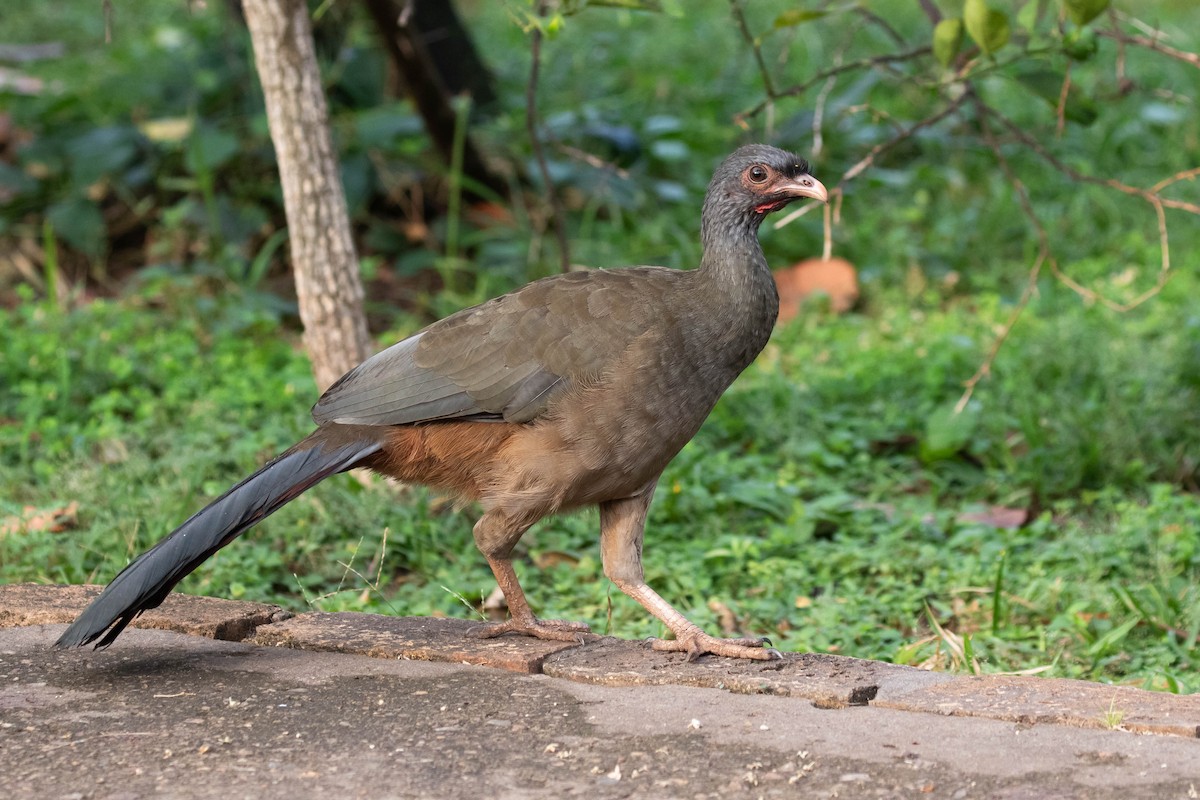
(554, 630)
(701, 643)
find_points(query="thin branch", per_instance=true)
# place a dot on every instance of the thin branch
(881, 23)
(531, 126)
(801, 88)
(106, 8)
(1123, 82)
(1060, 111)
(833, 206)
(591, 159)
(827, 247)
(1030, 290)
(739, 16)
(768, 85)
(869, 159)
(837, 193)
(1148, 195)
(931, 10)
(822, 98)
(792, 216)
(1185, 175)
(1151, 44)
(819, 117)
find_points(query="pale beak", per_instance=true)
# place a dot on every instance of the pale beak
(803, 186)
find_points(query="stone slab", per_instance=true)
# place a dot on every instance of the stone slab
(25, 604)
(164, 715)
(410, 638)
(1031, 700)
(827, 681)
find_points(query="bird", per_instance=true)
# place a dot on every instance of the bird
(572, 391)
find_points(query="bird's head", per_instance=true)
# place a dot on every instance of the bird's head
(756, 180)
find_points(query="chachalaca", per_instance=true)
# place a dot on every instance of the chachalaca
(574, 390)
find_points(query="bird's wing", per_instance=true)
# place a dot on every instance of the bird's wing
(505, 359)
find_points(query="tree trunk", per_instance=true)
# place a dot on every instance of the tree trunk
(427, 88)
(324, 263)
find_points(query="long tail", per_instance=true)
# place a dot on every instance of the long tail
(147, 581)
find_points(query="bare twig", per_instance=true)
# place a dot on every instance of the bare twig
(1060, 111)
(792, 216)
(1151, 44)
(827, 247)
(591, 159)
(881, 23)
(1122, 79)
(106, 8)
(1035, 271)
(531, 126)
(1150, 196)
(801, 88)
(1185, 175)
(869, 159)
(822, 98)
(739, 16)
(819, 116)
(931, 10)
(832, 207)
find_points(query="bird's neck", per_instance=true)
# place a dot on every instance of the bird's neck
(734, 269)
(729, 238)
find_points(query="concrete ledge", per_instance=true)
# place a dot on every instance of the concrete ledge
(1031, 700)
(25, 604)
(826, 681)
(411, 638)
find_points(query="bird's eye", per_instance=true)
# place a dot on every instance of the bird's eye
(757, 173)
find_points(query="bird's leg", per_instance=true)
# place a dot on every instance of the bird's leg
(496, 533)
(622, 525)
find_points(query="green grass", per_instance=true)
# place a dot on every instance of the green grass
(832, 501)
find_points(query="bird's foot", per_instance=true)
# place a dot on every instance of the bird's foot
(554, 630)
(699, 643)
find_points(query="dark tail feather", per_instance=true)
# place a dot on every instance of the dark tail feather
(147, 581)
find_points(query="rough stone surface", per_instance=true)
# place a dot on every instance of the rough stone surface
(24, 604)
(410, 638)
(163, 715)
(826, 680)
(1054, 700)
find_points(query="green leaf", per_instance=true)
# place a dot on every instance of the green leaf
(79, 222)
(208, 148)
(947, 431)
(1048, 85)
(1080, 44)
(797, 16)
(1084, 11)
(947, 39)
(987, 26)
(1112, 639)
(15, 180)
(1031, 14)
(99, 152)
